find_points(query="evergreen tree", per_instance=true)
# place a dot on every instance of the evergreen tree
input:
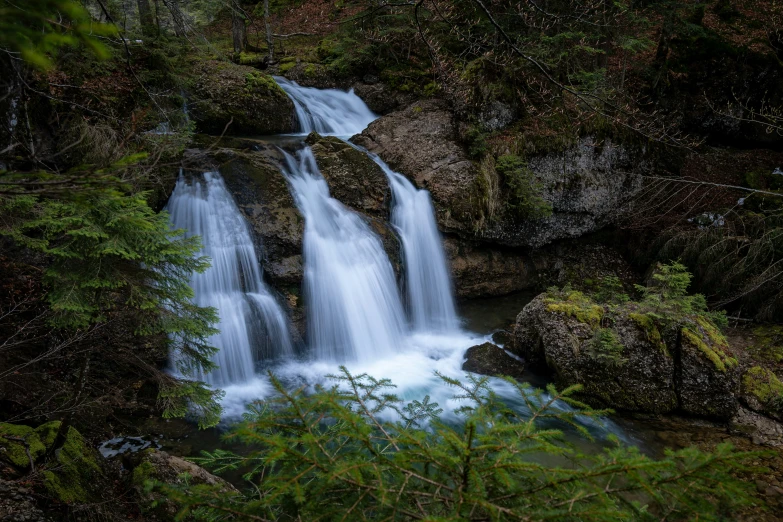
(336, 455)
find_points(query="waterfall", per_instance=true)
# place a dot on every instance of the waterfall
(328, 112)
(428, 291)
(252, 325)
(353, 305)
(429, 294)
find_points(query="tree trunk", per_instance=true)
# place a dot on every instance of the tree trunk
(180, 28)
(145, 17)
(238, 30)
(270, 43)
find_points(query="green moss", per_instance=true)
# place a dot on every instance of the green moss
(765, 386)
(258, 81)
(285, 67)
(650, 329)
(576, 305)
(76, 474)
(16, 450)
(142, 473)
(715, 353)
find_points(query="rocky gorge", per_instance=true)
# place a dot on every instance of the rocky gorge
(477, 220)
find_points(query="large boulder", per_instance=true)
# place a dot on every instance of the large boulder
(154, 466)
(492, 360)
(626, 360)
(223, 92)
(262, 194)
(585, 184)
(71, 474)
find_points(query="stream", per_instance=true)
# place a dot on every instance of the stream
(358, 314)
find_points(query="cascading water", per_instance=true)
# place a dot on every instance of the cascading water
(354, 308)
(252, 325)
(328, 112)
(429, 293)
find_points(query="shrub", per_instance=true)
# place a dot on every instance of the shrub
(524, 198)
(330, 455)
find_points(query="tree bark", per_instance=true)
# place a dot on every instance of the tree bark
(238, 30)
(270, 42)
(180, 28)
(145, 17)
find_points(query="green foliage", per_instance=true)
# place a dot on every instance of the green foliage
(666, 295)
(476, 141)
(36, 28)
(111, 257)
(575, 304)
(611, 291)
(606, 347)
(524, 198)
(333, 455)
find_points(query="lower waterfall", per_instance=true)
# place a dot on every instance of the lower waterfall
(354, 309)
(429, 293)
(252, 325)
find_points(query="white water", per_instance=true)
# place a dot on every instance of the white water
(429, 293)
(354, 311)
(354, 308)
(252, 325)
(328, 112)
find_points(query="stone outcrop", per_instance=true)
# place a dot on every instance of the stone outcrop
(221, 92)
(159, 466)
(354, 179)
(585, 184)
(72, 474)
(489, 359)
(261, 192)
(479, 270)
(626, 361)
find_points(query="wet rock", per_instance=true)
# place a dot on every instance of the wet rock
(761, 429)
(490, 359)
(262, 194)
(223, 92)
(479, 270)
(380, 98)
(354, 179)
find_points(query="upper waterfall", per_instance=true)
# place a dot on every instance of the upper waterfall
(252, 325)
(328, 112)
(354, 307)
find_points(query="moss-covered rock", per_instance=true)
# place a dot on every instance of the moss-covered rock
(762, 391)
(354, 179)
(154, 467)
(223, 92)
(72, 474)
(571, 192)
(16, 441)
(628, 358)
